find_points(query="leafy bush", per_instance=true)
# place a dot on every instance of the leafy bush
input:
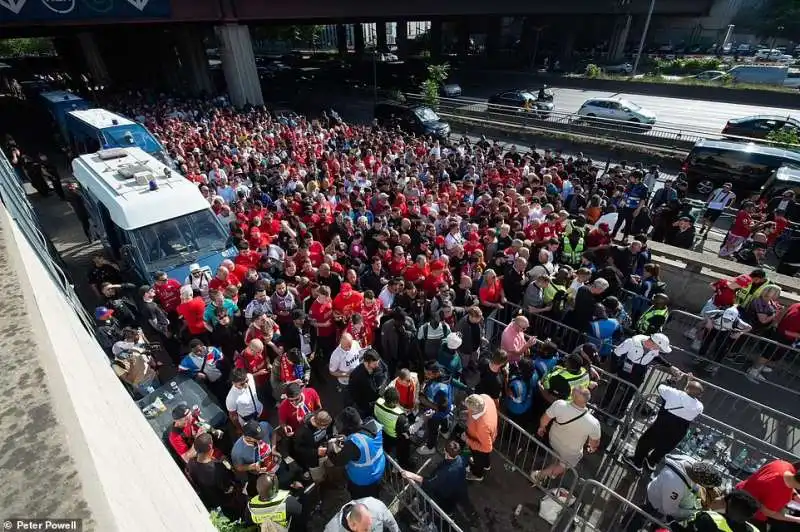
(223, 524)
(784, 136)
(592, 71)
(686, 67)
(437, 75)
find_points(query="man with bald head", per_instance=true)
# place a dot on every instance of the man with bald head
(513, 340)
(680, 408)
(363, 515)
(344, 359)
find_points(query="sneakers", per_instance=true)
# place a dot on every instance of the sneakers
(472, 477)
(766, 369)
(487, 468)
(426, 451)
(629, 461)
(648, 465)
(754, 375)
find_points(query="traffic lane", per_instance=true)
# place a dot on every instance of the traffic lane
(702, 115)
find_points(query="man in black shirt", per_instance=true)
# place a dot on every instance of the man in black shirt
(515, 281)
(586, 296)
(374, 278)
(328, 278)
(682, 235)
(103, 271)
(493, 375)
(366, 381)
(214, 481)
(311, 439)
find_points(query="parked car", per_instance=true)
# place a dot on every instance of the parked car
(617, 109)
(744, 49)
(709, 75)
(450, 90)
(768, 54)
(758, 127)
(413, 118)
(622, 68)
(746, 166)
(521, 100)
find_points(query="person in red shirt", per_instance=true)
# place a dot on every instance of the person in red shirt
(774, 487)
(347, 302)
(237, 272)
(371, 311)
(221, 280)
(321, 317)
(185, 428)
(299, 403)
(253, 360)
(192, 309)
(417, 272)
(599, 236)
(491, 293)
(742, 227)
(168, 292)
(436, 277)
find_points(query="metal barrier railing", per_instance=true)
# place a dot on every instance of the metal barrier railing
(13, 196)
(735, 354)
(409, 497)
(735, 453)
(598, 508)
(524, 453)
(610, 394)
(767, 423)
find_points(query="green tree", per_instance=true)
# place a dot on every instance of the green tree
(772, 18)
(437, 75)
(223, 524)
(26, 46)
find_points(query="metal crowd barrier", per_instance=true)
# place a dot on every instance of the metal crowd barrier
(740, 354)
(734, 452)
(610, 390)
(772, 427)
(15, 199)
(768, 424)
(598, 508)
(524, 454)
(409, 497)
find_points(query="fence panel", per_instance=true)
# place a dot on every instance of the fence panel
(735, 453)
(410, 498)
(600, 509)
(525, 454)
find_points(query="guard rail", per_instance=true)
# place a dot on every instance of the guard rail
(664, 135)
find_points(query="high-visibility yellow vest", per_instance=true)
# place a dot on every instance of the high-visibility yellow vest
(272, 510)
(744, 296)
(570, 255)
(722, 523)
(580, 379)
(388, 416)
(643, 325)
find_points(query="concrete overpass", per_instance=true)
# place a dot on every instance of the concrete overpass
(114, 39)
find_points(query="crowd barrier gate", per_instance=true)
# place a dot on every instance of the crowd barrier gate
(598, 508)
(524, 453)
(408, 496)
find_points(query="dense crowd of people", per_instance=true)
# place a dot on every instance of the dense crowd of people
(405, 274)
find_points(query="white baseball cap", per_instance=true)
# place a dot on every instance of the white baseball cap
(453, 341)
(661, 340)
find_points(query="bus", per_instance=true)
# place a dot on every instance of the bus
(91, 130)
(148, 217)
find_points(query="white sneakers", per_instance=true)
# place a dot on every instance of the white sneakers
(754, 375)
(426, 451)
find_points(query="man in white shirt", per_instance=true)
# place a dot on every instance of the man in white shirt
(716, 204)
(680, 408)
(242, 402)
(573, 428)
(345, 359)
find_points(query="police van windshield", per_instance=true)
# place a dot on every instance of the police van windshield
(182, 240)
(131, 135)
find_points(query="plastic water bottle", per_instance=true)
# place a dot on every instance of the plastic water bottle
(175, 389)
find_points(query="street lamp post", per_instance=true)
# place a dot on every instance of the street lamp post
(644, 37)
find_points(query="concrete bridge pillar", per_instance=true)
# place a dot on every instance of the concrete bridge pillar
(239, 65)
(401, 38)
(381, 42)
(358, 38)
(94, 61)
(341, 39)
(436, 38)
(194, 62)
(619, 37)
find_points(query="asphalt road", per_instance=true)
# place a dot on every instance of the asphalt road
(698, 115)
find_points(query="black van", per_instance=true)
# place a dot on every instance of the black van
(413, 118)
(746, 166)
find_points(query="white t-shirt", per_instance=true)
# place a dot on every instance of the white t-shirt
(241, 400)
(569, 439)
(720, 199)
(345, 361)
(679, 403)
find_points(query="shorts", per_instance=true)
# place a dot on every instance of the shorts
(712, 214)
